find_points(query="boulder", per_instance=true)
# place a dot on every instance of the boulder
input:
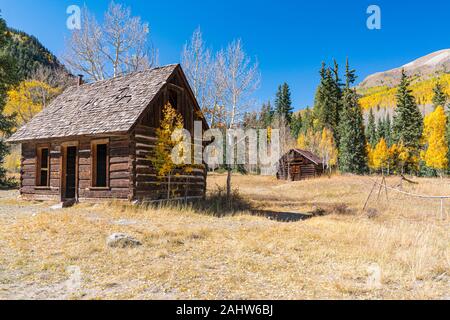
(121, 240)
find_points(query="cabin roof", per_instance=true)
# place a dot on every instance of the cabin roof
(108, 106)
(309, 155)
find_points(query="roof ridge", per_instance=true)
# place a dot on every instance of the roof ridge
(125, 75)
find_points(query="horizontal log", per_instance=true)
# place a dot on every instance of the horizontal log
(29, 167)
(84, 168)
(144, 130)
(112, 193)
(33, 190)
(143, 153)
(31, 161)
(162, 195)
(145, 138)
(140, 184)
(119, 160)
(39, 197)
(84, 175)
(28, 182)
(84, 161)
(119, 167)
(119, 183)
(179, 178)
(55, 175)
(28, 175)
(120, 152)
(119, 138)
(120, 175)
(145, 170)
(143, 162)
(119, 144)
(55, 183)
(84, 184)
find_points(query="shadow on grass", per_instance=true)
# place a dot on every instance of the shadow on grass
(282, 216)
(219, 205)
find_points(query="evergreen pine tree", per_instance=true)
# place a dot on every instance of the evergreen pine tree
(440, 98)
(319, 97)
(371, 131)
(337, 100)
(296, 124)
(327, 104)
(283, 103)
(408, 124)
(307, 120)
(387, 130)
(8, 76)
(352, 152)
(266, 115)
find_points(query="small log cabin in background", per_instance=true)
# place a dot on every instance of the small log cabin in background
(299, 164)
(94, 140)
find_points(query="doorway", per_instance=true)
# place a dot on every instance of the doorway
(70, 178)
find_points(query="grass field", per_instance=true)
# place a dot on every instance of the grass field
(288, 240)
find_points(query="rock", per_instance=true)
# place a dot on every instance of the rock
(372, 213)
(65, 204)
(121, 240)
(124, 222)
(57, 206)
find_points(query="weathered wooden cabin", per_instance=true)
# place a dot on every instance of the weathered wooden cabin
(299, 164)
(92, 142)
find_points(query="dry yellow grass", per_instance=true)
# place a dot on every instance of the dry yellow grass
(187, 253)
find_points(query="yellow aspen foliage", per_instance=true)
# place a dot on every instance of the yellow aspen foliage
(398, 157)
(369, 151)
(28, 99)
(383, 96)
(327, 148)
(381, 155)
(435, 155)
(162, 156)
(310, 141)
(301, 141)
(162, 160)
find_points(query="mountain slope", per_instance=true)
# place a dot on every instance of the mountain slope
(423, 68)
(30, 54)
(379, 90)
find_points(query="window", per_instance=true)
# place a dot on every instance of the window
(100, 160)
(43, 167)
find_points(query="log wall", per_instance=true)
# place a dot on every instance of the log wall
(119, 170)
(149, 185)
(293, 166)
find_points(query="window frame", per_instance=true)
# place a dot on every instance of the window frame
(94, 144)
(39, 169)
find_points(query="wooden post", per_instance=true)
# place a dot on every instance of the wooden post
(371, 191)
(385, 189)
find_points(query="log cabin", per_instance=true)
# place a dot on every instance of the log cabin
(94, 140)
(299, 164)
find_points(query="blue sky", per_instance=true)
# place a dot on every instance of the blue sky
(289, 38)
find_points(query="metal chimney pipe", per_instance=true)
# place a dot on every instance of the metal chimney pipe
(80, 79)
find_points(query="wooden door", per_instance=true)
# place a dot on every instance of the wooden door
(71, 164)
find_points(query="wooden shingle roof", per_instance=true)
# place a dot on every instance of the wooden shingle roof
(309, 155)
(109, 106)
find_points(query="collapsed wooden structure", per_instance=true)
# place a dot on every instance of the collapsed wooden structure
(299, 164)
(94, 140)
